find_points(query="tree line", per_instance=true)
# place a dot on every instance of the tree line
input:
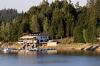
(59, 19)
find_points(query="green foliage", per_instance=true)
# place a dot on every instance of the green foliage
(34, 25)
(7, 15)
(98, 32)
(78, 34)
(46, 25)
(69, 24)
(58, 19)
(60, 33)
(5, 31)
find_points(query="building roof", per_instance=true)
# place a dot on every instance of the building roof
(27, 36)
(31, 35)
(36, 34)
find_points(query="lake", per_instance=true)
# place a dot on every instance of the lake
(49, 60)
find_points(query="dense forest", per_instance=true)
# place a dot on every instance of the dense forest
(59, 19)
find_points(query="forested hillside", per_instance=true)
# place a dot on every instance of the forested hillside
(7, 15)
(59, 19)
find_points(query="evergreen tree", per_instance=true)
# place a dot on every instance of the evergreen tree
(34, 24)
(46, 25)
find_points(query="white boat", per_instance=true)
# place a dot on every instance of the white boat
(33, 49)
(41, 49)
(7, 50)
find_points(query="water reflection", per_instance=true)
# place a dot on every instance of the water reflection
(50, 59)
(79, 53)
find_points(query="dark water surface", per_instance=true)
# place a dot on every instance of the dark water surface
(49, 60)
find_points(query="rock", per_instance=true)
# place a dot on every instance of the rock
(98, 49)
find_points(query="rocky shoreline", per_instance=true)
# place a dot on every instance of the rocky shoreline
(73, 47)
(79, 47)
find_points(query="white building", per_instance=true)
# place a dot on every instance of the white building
(52, 43)
(33, 38)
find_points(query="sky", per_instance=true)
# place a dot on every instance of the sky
(24, 5)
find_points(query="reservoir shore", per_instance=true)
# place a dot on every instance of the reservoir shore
(79, 47)
(64, 45)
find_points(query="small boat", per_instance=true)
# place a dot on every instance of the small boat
(5, 50)
(8, 50)
(33, 49)
(41, 49)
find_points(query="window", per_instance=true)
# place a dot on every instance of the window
(41, 37)
(41, 40)
(45, 37)
(45, 40)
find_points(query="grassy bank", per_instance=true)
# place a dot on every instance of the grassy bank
(67, 44)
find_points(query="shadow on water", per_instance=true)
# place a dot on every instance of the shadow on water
(78, 53)
(55, 52)
(51, 58)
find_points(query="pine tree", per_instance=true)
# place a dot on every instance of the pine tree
(46, 25)
(34, 24)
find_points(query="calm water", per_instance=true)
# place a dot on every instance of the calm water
(49, 60)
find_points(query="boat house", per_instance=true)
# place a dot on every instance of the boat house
(33, 40)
